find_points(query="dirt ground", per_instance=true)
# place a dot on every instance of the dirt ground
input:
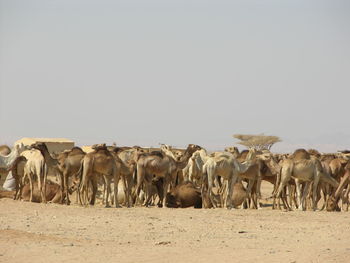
(31, 232)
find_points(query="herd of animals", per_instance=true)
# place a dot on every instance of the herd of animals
(180, 178)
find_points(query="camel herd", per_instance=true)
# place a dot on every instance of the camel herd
(179, 178)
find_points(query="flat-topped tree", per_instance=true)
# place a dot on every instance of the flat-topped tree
(258, 142)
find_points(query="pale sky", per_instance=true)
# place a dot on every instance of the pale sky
(176, 72)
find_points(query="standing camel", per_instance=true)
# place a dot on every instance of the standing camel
(99, 162)
(225, 165)
(69, 165)
(161, 166)
(304, 168)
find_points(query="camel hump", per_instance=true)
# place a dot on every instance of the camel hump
(157, 153)
(300, 154)
(76, 150)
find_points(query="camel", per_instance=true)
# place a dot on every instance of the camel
(163, 166)
(4, 150)
(332, 202)
(50, 163)
(17, 170)
(53, 193)
(225, 165)
(7, 161)
(126, 170)
(304, 168)
(184, 195)
(194, 169)
(99, 162)
(69, 165)
(33, 167)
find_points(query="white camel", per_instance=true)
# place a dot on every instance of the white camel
(194, 169)
(225, 165)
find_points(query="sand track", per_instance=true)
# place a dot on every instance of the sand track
(55, 233)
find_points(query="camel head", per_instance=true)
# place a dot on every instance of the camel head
(39, 146)
(20, 147)
(332, 205)
(191, 148)
(251, 156)
(271, 162)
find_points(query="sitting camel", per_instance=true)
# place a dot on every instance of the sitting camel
(53, 193)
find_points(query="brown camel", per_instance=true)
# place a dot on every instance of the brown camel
(99, 162)
(126, 171)
(163, 166)
(332, 202)
(69, 165)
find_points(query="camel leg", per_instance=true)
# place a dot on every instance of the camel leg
(347, 197)
(65, 187)
(94, 190)
(31, 188)
(249, 192)
(43, 187)
(314, 193)
(140, 179)
(298, 186)
(229, 192)
(116, 183)
(107, 187)
(304, 196)
(165, 189)
(258, 192)
(210, 189)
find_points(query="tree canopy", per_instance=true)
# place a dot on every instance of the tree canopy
(258, 142)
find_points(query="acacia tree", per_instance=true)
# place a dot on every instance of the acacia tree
(258, 142)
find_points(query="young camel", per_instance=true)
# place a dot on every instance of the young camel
(161, 166)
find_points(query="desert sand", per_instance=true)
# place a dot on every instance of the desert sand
(32, 232)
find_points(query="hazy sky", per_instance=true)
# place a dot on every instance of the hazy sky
(176, 72)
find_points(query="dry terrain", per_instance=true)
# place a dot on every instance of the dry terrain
(33, 232)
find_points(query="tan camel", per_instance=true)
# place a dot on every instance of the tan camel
(69, 165)
(304, 168)
(225, 165)
(342, 173)
(99, 162)
(50, 163)
(163, 166)
(126, 170)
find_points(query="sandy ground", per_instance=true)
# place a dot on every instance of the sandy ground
(33, 232)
